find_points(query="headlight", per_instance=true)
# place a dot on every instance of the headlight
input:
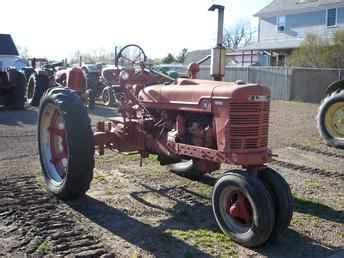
(124, 75)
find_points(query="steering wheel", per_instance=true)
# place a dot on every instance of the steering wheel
(131, 56)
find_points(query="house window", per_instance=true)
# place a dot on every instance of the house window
(281, 23)
(331, 17)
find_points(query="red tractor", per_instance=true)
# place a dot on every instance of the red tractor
(45, 75)
(203, 123)
(74, 79)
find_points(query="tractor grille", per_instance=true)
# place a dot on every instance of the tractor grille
(249, 125)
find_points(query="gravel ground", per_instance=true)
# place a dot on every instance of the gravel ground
(148, 212)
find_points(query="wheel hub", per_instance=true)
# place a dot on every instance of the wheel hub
(106, 97)
(58, 146)
(239, 209)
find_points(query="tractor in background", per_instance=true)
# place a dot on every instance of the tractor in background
(331, 115)
(46, 75)
(12, 77)
(41, 76)
(102, 81)
(204, 123)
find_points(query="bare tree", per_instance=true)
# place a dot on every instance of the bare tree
(169, 59)
(182, 55)
(24, 52)
(239, 35)
(95, 56)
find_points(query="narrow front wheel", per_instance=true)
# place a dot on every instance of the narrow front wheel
(243, 208)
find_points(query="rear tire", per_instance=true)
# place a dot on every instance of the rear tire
(108, 97)
(255, 229)
(331, 119)
(16, 99)
(282, 197)
(36, 86)
(67, 161)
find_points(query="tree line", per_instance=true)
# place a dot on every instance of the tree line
(236, 36)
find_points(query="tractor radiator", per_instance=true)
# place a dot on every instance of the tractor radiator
(248, 125)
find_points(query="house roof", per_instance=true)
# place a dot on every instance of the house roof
(294, 6)
(274, 45)
(7, 46)
(231, 57)
(196, 55)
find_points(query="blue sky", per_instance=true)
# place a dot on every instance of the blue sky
(56, 29)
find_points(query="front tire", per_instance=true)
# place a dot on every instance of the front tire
(282, 198)
(35, 88)
(66, 145)
(243, 208)
(16, 100)
(331, 119)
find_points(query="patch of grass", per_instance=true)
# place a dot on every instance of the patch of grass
(135, 255)
(44, 248)
(100, 178)
(312, 184)
(315, 210)
(131, 157)
(122, 158)
(304, 220)
(341, 235)
(214, 243)
(203, 190)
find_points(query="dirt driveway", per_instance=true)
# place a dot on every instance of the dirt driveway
(133, 212)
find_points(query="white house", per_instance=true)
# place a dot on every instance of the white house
(284, 24)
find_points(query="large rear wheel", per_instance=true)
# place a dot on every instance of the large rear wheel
(243, 208)
(16, 100)
(66, 145)
(331, 119)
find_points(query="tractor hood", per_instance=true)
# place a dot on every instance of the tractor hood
(190, 92)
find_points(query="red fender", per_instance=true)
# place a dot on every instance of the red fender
(76, 80)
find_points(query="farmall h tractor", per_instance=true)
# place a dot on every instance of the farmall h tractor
(208, 123)
(331, 115)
